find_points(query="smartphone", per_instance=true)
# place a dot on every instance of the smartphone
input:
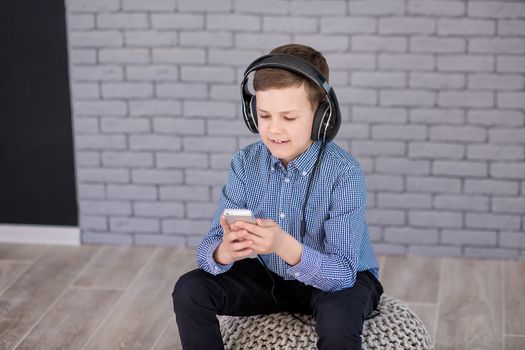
(234, 215)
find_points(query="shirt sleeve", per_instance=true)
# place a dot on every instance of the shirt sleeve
(335, 268)
(233, 196)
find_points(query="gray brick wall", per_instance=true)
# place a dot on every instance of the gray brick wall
(433, 95)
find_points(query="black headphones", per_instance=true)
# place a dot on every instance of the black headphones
(327, 118)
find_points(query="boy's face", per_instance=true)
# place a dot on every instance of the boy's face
(285, 118)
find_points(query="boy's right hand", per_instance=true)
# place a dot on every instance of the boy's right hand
(234, 245)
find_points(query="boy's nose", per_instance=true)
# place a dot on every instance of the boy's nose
(275, 126)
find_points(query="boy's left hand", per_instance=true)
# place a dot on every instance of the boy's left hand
(266, 235)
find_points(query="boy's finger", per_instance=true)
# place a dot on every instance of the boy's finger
(252, 228)
(241, 225)
(259, 246)
(225, 226)
(242, 253)
(239, 246)
(257, 240)
(236, 235)
(265, 222)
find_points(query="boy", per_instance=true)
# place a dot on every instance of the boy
(309, 198)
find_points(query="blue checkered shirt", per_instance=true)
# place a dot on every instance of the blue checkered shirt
(336, 245)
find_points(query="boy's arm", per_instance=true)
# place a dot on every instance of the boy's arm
(346, 231)
(233, 196)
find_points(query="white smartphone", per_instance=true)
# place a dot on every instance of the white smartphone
(234, 215)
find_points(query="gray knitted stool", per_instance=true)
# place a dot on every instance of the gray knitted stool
(396, 327)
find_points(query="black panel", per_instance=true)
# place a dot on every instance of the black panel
(37, 174)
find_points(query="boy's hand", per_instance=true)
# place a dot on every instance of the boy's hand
(268, 237)
(234, 245)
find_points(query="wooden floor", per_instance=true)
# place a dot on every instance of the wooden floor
(105, 297)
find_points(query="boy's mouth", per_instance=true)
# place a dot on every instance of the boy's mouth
(278, 142)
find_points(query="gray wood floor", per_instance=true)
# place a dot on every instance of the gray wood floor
(105, 297)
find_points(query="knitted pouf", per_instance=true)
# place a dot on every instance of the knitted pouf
(396, 327)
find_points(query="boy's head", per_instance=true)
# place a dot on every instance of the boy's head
(286, 103)
(275, 78)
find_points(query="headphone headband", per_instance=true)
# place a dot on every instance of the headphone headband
(290, 63)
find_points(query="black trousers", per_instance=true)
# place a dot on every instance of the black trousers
(245, 290)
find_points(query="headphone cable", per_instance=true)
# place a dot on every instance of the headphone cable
(272, 291)
(303, 227)
(308, 188)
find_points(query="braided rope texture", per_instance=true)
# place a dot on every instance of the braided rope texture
(396, 327)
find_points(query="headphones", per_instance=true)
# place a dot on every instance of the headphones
(327, 117)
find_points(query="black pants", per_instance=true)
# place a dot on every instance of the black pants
(245, 290)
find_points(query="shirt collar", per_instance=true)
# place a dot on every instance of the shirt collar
(305, 162)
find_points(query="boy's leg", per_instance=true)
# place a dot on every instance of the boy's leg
(198, 297)
(340, 315)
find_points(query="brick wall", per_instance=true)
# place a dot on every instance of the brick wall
(432, 94)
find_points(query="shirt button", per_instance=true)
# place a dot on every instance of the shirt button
(286, 180)
(273, 169)
(297, 274)
(305, 173)
(282, 216)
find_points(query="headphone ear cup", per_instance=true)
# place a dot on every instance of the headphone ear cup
(320, 119)
(253, 115)
(250, 113)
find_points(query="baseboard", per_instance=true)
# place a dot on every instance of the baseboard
(62, 235)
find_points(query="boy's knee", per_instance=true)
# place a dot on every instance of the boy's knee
(339, 327)
(338, 332)
(186, 289)
(334, 320)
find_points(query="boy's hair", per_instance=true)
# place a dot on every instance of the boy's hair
(275, 78)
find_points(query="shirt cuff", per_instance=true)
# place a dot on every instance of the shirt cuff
(309, 266)
(215, 267)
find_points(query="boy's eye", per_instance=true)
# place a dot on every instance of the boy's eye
(263, 116)
(289, 118)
